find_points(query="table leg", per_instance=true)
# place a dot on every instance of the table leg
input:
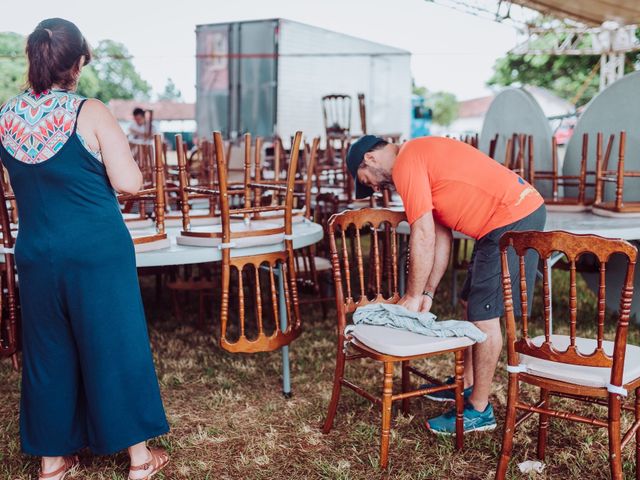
(282, 308)
(402, 265)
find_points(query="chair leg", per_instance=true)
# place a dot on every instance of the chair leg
(406, 386)
(615, 447)
(509, 427)
(459, 382)
(637, 412)
(387, 392)
(543, 425)
(337, 386)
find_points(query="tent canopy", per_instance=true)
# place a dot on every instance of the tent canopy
(591, 12)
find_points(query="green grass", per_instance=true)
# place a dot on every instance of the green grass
(230, 421)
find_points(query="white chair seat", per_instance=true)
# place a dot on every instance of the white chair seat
(278, 216)
(402, 343)
(134, 222)
(155, 245)
(236, 227)
(551, 207)
(597, 377)
(322, 264)
(603, 212)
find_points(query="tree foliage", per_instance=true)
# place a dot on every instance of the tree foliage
(171, 91)
(444, 105)
(117, 76)
(13, 65)
(571, 77)
(110, 74)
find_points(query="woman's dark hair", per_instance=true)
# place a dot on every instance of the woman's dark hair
(54, 50)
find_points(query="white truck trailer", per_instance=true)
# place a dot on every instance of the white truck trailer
(267, 77)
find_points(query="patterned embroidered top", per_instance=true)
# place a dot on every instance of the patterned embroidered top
(34, 127)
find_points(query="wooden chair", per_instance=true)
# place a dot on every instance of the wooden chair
(336, 114)
(246, 232)
(143, 154)
(578, 182)
(312, 269)
(362, 108)
(493, 144)
(8, 284)
(605, 175)
(386, 345)
(155, 238)
(275, 271)
(588, 370)
(514, 158)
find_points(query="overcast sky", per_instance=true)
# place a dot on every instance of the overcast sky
(451, 50)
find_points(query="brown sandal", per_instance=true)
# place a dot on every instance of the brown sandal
(70, 464)
(158, 461)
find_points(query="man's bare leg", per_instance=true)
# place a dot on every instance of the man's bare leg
(485, 360)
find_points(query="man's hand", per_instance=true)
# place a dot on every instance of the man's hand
(411, 303)
(425, 305)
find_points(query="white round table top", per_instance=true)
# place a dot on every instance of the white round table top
(578, 223)
(304, 234)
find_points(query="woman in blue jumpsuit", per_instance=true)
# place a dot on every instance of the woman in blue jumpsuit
(88, 375)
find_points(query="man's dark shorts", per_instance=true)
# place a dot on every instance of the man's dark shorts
(483, 286)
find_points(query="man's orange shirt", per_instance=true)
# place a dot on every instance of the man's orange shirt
(467, 191)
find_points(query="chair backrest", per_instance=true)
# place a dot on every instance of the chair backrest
(362, 107)
(273, 270)
(142, 152)
(515, 153)
(8, 298)
(154, 192)
(617, 176)
(575, 248)
(336, 113)
(353, 236)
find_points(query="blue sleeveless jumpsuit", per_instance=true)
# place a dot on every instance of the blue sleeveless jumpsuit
(88, 377)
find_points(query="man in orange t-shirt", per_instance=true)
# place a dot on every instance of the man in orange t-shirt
(448, 185)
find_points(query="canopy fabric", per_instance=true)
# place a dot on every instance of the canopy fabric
(591, 12)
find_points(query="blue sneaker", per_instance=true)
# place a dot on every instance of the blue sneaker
(446, 395)
(473, 421)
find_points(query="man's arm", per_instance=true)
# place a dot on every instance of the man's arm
(421, 260)
(440, 263)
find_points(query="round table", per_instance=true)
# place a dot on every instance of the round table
(588, 223)
(304, 234)
(577, 223)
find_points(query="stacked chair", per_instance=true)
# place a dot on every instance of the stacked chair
(605, 175)
(155, 237)
(8, 281)
(262, 321)
(578, 183)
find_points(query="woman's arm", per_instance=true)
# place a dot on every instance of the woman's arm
(100, 130)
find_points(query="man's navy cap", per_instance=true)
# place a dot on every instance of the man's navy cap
(355, 158)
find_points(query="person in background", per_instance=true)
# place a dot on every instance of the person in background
(139, 128)
(448, 185)
(88, 378)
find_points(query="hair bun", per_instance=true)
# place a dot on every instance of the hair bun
(43, 34)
